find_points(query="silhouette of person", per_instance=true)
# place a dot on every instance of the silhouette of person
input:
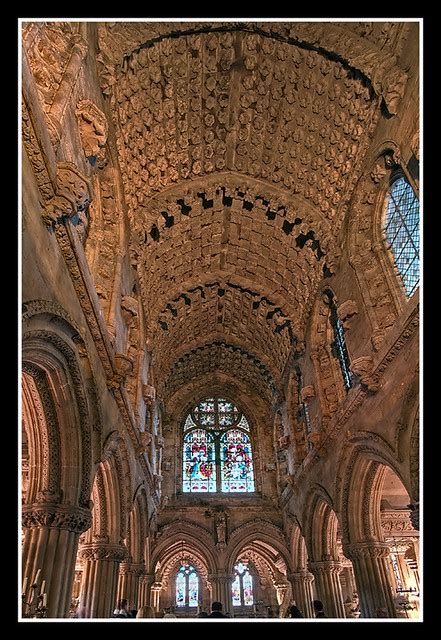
(146, 611)
(122, 609)
(294, 612)
(318, 609)
(216, 610)
(203, 614)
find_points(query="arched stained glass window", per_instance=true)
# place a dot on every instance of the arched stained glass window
(187, 587)
(217, 454)
(242, 587)
(402, 231)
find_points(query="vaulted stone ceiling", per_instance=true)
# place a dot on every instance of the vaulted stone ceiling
(240, 145)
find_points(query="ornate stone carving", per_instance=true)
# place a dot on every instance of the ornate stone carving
(123, 366)
(94, 552)
(129, 309)
(415, 514)
(307, 392)
(363, 368)
(56, 516)
(346, 311)
(370, 549)
(93, 128)
(220, 523)
(149, 394)
(73, 194)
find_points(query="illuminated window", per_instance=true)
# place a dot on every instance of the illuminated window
(242, 587)
(402, 231)
(187, 587)
(339, 343)
(217, 453)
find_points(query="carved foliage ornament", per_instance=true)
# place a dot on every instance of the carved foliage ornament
(73, 519)
(73, 194)
(93, 128)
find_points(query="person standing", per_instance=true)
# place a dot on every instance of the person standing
(216, 610)
(318, 609)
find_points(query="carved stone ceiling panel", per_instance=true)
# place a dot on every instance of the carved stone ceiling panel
(239, 146)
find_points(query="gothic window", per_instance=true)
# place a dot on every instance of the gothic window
(339, 343)
(217, 454)
(187, 587)
(242, 587)
(401, 228)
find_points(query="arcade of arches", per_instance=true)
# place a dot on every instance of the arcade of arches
(220, 318)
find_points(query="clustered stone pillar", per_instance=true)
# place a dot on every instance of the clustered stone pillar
(221, 589)
(100, 578)
(50, 543)
(327, 580)
(144, 589)
(302, 592)
(155, 592)
(370, 564)
(128, 585)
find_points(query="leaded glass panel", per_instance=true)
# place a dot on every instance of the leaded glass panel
(236, 462)
(198, 472)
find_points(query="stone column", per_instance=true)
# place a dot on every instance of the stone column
(221, 589)
(155, 591)
(144, 589)
(370, 563)
(100, 578)
(302, 591)
(128, 584)
(327, 581)
(50, 544)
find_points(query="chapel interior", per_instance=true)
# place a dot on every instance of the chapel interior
(220, 318)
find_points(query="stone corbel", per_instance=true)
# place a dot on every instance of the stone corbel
(129, 309)
(73, 194)
(149, 394)
(145, 439)
(345, 312)
(93, 128)
(362, 369)
(159, 442)
(123, 367)
(307, 392)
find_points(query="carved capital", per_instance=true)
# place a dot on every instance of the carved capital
(93, 128)
(301, 577)
(75, 519)
(362, 550)
(112, 552)
(73, 194)
(325, 567)
(123, 366)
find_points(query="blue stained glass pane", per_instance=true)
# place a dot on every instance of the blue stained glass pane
(247, 582)
(193, 588)
(402, 232)
(236, 462)
(180, 590)
(198, 463)
(236, 592)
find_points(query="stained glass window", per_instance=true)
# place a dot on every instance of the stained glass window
(242, 587)
(199, 472)
(339, 344)
(402, 232)
(236, 462)
(217, 453)
(187, 587)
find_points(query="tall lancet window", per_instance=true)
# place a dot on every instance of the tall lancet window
(217, 450)
(402, 231)
(187, 587)
(339, 343)
(242, 587)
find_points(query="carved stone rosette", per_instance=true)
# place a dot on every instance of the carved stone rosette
(75, 519)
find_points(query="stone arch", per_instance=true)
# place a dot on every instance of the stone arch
(299, 552)
(320, 525)
(54, 356)
(257, 530)
(379, 286)
(115, 462)
(139, 526)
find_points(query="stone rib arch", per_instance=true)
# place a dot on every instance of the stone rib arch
(299, 552)
(320, 525)
(64, 382)
(257, 530)
(197, 540)
(115, 460)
